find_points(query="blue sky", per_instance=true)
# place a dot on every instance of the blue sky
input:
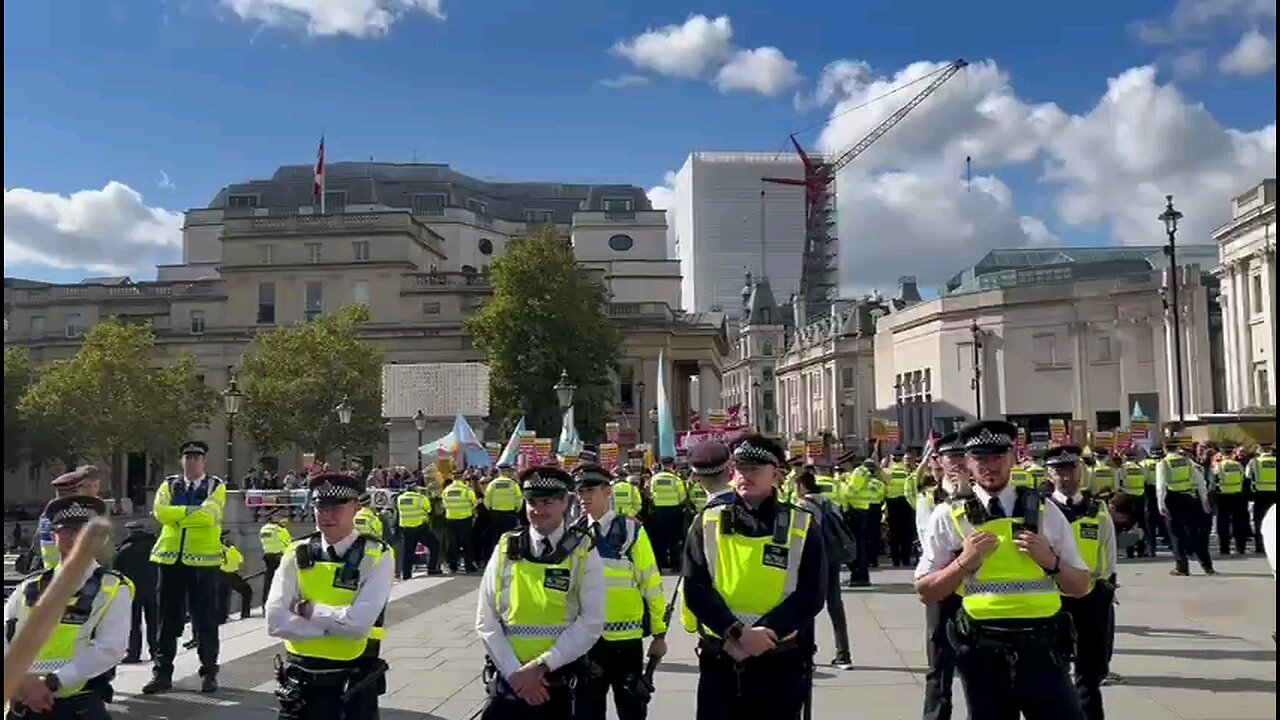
(175, 99)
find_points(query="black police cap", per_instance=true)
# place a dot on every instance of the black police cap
(950, 445)
(195, 447)
(73, 510)
(709, 458)
(591, 475)
(544, 481)
(988, 437)
(335, 488)
(1062, 456)
(756, 449)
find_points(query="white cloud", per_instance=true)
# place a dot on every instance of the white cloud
(663, 196)
(1189, 64)
(764, 70)
(327, 18)
(165, 182)
(687, 51)
(701, 48)
(838, 79)
(1255, 54)
(1196, 18)
(107, 231)
(625, 81)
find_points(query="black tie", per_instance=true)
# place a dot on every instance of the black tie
(595, 530)
(546, 547)
(333, 554)
(994, 509)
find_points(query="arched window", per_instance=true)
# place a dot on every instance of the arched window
(486, 246)
(768, 348)
(621, 243)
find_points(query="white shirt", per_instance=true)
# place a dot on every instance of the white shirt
(941, 541)
(1107, 560)
(107, 645)
(924, 510)
(1269, 537)
(347, 621)
(573, 643)
(602, 525)
(1162, 482)
(723, 491)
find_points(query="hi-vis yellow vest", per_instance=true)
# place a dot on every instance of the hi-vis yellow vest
(537, 601)
(79, 621)
(1103, 480)
(1230, 477)
(1135, 478)
(368, 522)
(664, 488)
(633, 587)
(1020, 478)
(412, 509)
(1179, 479)
(697, 497)
(754, 574)
(626, 498)
(274, 538)
(459, 501)
(190, 522)
(1009, 585)
(1086, 529)
(502, 495)
(327, 582)
(1266, 478)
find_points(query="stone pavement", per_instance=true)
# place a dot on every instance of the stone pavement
(1192, 648)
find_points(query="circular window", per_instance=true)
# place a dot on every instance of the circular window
(621, 243)
(486, 246)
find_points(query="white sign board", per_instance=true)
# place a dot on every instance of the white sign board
(439, 389)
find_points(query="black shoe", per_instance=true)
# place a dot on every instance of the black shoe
(858, 583)
(1176, 572)
(1210, 571)
(844, 662)
(131, 659)
(209, 683)
(158, 684)
(435, 572)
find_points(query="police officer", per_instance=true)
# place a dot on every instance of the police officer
(328, 605)
(84, 480)
(541, 607)
(413, 513)
(1133, 480)
(1184, 500)
(502, 500)
(1157, 526)
(232, 582)
(274, 538)
(133, 560)
(1094, 614)
(952, 483)
(898, 496)
(459, 502)
(367, 521)
(189, 508)
(71, 675)
(666, 490)
(1233, 506)
(633, 603)
(1261, 474)
(867, 492)
(1008, 556)
(754, 579)
(627, 498)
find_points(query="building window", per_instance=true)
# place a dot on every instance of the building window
(430, 308)
(313, 252)
(335, 201)
(242, 201)
(267, 254)
(360, 250)
(964, 357)
(1102, 350)
(197, 322)
(424, 204)
(767, 373)
(767, 350)
(74, 326)
(1264, 385)
(766, 316)
(1044, 349)
(479, 207)
(37, 326)
(360, 293)
(1107, 419)
(766, 400)
(621, 243)
(313, 300)
(1258, 302)
(486, 246)
(266, 303)
(627, 388)
(846, 377)
(618, 205)
(928, 380)
(539, 217)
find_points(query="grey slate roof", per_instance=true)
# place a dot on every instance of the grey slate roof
(395, 184)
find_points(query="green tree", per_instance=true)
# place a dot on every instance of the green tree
(293, 378)
(17, 376)
(109, 399)
(546, 315)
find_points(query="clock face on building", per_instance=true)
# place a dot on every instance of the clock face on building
(621, 243)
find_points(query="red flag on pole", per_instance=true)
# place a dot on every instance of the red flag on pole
(318, 187)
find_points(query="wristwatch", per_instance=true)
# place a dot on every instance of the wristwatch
(1057, 565)
(52, 682)
(735, 632)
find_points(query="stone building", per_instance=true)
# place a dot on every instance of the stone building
(1247, 272)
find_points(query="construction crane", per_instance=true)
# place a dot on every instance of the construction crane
(819, 272)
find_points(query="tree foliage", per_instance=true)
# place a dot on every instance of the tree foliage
(546, 315)
(17, 376)
(293, 377)
(109, 399)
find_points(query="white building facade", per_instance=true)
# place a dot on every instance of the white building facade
(718, 224)
(1247, 273)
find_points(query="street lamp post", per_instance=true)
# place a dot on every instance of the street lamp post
(564, 397)
(976, 383)
(1170, 218)
(640, 410)
(232, 399)
(344, 417)
(419, 422)
(754, 407)
(653, 417)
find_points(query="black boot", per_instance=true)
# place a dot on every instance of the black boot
(208, 680)
(160, 682)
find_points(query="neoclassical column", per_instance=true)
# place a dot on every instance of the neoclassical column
(1230, 345)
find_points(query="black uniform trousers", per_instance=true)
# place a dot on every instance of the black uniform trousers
(461, 544)
(1000, 684)
(326, 704)
(409, 539)
(858, 520)
(667, 522)
(89, 706)
(874, 536)
(229, 582)
(835, 609)
(142, 609)
(768, 687)
(185, 589)
(270, 562)
(901, 530)
(1186, 519)
(1233, 522)
(942, 658)
(500, 522)
(1262, 502)
(1094, 618)
(620, 662)
(1156, 527)
(560, 707)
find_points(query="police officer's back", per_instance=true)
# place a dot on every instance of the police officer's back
(133, 560)
(328, 604)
